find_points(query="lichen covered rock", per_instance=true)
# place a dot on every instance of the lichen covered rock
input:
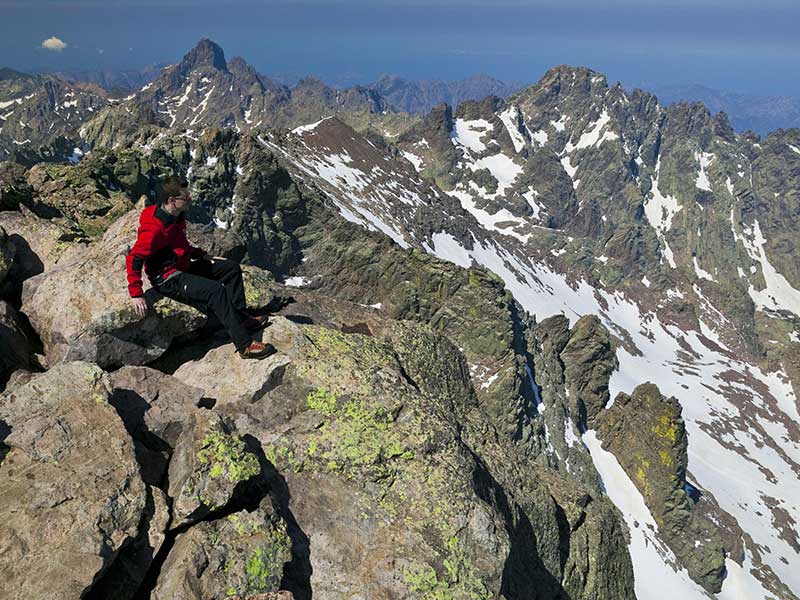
(646, 432)
(209, 466)
(242, 554)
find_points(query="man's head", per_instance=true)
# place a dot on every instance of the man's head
(176, 190)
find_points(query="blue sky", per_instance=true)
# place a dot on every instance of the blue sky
(732, 45)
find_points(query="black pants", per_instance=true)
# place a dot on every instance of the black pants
(213, 286)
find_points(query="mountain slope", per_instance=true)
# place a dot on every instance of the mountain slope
(585, 199)
(677, 233)
(35, 110)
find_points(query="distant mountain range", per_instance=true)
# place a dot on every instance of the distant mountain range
(412, 96)
(757, 113)
(116, 82)
(422, 96)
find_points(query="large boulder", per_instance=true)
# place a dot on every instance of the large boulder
(242, 555)
(82, 310)
(37, 244)
(71, 495)
(128, 573)
(211, 467)
(228, 379)
(153, 405)
(155, 408)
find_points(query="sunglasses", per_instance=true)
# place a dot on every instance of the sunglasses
(187, 197)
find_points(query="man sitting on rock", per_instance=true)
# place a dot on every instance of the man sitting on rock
(180, 271)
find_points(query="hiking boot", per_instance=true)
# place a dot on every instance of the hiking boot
(255, 322)
(258, 350)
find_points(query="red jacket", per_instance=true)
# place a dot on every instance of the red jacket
(161, 247)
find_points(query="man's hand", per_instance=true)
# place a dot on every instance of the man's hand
(207, 257)
(139, 307)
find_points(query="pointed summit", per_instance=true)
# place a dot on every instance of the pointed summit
(205, 53)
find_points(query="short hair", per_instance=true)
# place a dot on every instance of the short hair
(173, 185)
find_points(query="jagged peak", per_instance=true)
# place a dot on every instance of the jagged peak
(205, 53)
(311, 82)
(239, 65)
(565, 80)
(572, 74)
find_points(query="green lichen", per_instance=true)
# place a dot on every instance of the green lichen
(258, 570)
(641, 476)
(459, 578)
(265, 566)
(322, 400)
(227, 457)
(359, 434)
(666, 428)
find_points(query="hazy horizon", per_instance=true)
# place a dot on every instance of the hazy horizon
(728, 46)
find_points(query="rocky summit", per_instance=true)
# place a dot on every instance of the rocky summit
(534, 347)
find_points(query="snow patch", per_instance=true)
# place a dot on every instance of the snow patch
(540, 137)
(296, 281)
(311, 127)
(469, 133)
(700, 272)
(414, 160)
(530, 196)
(559, 125)
(510, 118)
(593, 136)
(660, 210)
(705, 159)
(448, 248)
(778, 293)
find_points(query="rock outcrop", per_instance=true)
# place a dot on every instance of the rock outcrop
(209, 467)
(242, 554)
(646, 433)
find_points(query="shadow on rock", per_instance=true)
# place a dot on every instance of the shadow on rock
(525, 576)
(4, 431)
(297, 573)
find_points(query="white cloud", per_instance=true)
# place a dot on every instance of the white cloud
(54, 43)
